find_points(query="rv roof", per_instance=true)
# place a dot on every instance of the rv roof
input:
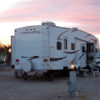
(48, 23)
(88, 33)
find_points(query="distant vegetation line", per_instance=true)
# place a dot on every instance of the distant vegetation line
(5, 50)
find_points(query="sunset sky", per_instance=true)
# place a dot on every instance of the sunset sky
(84, 14)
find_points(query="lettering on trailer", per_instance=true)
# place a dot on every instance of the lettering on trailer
(38, 32)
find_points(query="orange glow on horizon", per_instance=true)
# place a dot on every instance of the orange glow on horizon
(6, 38)
(5, 41)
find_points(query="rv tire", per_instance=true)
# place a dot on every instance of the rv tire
(50, 76)
(13, 66)
(16, 74)
(25, 76)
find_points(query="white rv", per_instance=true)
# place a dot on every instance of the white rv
(47, 47)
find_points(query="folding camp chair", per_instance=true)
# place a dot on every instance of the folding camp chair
(94, 70)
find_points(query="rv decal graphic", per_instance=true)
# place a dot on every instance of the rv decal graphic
(81, 55)
(57, 59)
(72, 52)
(72, 62)
(94, 41)
(38, 32)
(30, 58)
(88, 35)
(59, 37)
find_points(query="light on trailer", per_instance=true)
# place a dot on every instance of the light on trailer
(17, 60)
(9, 50)
(45, 60)
(72, 67)
(4, 59)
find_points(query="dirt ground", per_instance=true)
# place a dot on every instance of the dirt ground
(88, 88)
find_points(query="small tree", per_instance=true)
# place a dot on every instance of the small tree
(1, 48)
(5, 50)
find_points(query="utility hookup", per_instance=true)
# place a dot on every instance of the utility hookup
(72, 82)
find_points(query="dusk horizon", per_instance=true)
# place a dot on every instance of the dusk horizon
(74, 13)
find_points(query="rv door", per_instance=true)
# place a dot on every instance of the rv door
(90, 51)
(83, 56)
(65, 50)
(80, 58)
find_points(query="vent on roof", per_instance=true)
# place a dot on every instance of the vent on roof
(48, 23)
(74, 29)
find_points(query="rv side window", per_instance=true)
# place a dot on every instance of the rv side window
(65, 43)
(96, 50)
(91, 47)
(73, 46)
(83, 49)
(59, 45)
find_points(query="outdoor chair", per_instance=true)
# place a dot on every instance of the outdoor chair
(94, 70)
(83, 71)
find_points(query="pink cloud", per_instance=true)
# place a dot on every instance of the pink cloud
(84, 12)
(45, 7)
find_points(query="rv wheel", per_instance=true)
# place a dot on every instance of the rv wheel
(50, 76)
(25, 76)
(16, 74)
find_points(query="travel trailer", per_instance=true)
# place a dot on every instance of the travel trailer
(47, 48)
